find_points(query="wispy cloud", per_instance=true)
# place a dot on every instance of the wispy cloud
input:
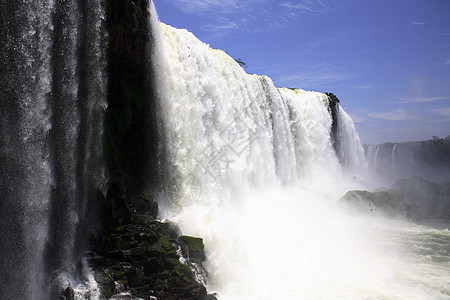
(365, 87)
(226, 26)
(320, 43)
(447, 61)
(358, 118)
(200, 7)
(442, 111)
(394, 115)
(404, 100)
(227, 16)
(417, 23)
(317, 76)
(312, 7)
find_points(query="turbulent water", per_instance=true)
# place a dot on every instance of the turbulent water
(252, 169)
(53, 95)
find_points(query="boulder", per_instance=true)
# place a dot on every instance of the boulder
(192, 248)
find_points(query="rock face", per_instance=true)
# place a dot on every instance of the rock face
(192, 248)
(135, 256)
(140, 258)
(416, 199)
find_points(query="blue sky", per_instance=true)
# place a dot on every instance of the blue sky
(387, 61)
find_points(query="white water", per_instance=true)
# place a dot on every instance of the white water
(252, 170)
(53, 98)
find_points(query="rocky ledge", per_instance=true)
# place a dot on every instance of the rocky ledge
(143, 258)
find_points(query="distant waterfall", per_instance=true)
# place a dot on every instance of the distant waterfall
(392, 161)
(53, 97)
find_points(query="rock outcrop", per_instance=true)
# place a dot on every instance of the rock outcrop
(416, 199)
(143, 258)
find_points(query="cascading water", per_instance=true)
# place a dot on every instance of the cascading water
(252, 169)
(392, 161)
(53, 97)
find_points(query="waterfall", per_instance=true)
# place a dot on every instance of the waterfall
(350, 150)
(53, 97)
(392, 161)
(245, 159)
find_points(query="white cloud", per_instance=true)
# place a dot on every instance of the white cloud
(416, 23)
(394, 115)
(223, 27)
(366, 87)
(201, 7)
(317, 76)
(418, 99)
(248, 15)
(442, 111)
(357, 118)
(320, 43)
(312, 7)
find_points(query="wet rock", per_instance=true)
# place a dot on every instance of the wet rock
(106, 284)
(193, 248)
(67, 294)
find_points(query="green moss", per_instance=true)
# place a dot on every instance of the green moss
(332, 98)
(185, 269)
(120, 229)
(147, 197)
(116, 274)
(164, 243)
(194, 244)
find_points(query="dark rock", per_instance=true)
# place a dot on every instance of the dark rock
(173, 230)
(416, 199)
(193, 248)
(105, 283)
(152, 266)
(67, 294)
(135, 276)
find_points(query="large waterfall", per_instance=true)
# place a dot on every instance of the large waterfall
(257, 170)
(53, 97)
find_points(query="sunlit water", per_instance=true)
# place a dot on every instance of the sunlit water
(297, 244)
(251, 168)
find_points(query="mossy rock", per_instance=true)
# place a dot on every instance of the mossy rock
(192, 247)
(164, 243)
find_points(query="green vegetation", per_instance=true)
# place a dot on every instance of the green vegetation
(164, 243)
(332, 98)
(241, 63)
(194, 244)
